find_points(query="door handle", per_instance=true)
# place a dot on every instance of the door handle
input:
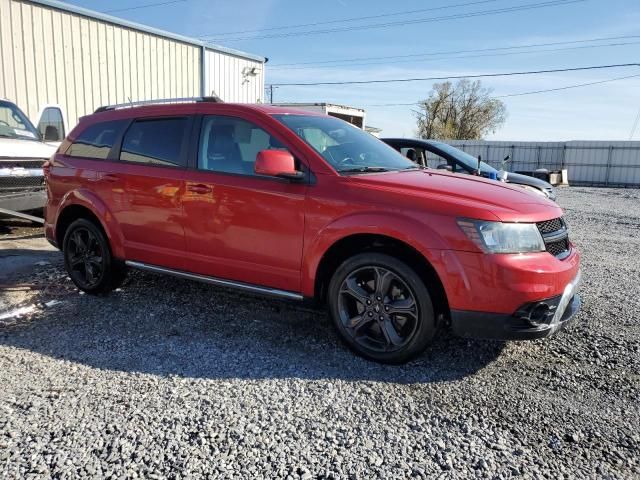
(200, 188)
(110, 177)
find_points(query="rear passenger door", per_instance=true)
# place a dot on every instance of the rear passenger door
(154, 151)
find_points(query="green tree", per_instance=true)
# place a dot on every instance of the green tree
(464, 111)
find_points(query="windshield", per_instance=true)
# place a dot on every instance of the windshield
(347, 148)
(14, 123)
(465, 160)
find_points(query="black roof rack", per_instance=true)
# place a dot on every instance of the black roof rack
(160, 101)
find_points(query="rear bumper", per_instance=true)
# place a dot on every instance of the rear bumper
(533, 320)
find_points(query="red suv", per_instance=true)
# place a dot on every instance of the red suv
(296, 205)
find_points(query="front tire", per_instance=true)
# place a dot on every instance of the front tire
(88, 259)
(381, 308)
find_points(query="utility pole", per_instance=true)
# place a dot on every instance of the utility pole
(270, 89)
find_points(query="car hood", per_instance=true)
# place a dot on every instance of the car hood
(527, 180)
(464, 195)
(16, 148)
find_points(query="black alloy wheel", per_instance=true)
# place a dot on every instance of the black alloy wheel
(378, 309)
(381, 308)
(88, 260)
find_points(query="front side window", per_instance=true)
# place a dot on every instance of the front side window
(231, 145)
(96, 140)
(155, 141)
(345, 147)
(464, 162)
(15, 124)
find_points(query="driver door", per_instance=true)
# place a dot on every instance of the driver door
(239, 225)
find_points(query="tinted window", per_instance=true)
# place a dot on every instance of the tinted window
(51, 126)
(157, 141)
(96, 140)
(464, 160)
(231, 145)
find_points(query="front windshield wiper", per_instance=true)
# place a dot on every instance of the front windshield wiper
(365, 169)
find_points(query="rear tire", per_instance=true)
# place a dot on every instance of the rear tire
(381, 308)
(88, 259)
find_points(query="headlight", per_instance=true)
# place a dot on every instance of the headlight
(498, 237)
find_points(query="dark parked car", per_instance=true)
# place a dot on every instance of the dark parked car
(455, 160)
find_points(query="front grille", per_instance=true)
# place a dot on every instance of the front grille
(21, 183)
(551, 226)
(555, 236)
(20, 162)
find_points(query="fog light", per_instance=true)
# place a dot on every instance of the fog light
(539, 315)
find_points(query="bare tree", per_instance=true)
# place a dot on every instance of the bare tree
(464, 111)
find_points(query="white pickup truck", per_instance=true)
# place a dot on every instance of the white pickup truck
(23, 150)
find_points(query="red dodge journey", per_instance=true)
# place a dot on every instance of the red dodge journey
(297, 205)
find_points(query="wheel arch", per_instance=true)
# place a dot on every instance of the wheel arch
(85, 205)
(353, 244)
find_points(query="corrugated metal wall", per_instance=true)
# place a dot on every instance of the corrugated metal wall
(227, 76)
(588, 163)
(49, 56)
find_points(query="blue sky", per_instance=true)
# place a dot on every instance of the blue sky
(599, 112)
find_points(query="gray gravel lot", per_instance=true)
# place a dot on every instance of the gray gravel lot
(168, 378)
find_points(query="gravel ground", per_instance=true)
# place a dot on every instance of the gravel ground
(18, 227)
(168, 378)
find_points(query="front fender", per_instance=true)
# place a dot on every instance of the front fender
(416, 234)
(85, 198)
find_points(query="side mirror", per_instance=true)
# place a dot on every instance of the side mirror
(445, 166)
(277, 163)
(51, 134)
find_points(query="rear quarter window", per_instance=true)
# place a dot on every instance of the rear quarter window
(96, 140)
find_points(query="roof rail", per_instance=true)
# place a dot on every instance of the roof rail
(159, 101)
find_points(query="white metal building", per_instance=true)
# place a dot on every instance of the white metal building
(55, 53)
(353, 115)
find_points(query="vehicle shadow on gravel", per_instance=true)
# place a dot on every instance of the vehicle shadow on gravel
(169, 327)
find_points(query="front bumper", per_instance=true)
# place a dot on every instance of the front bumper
(533, 320)
(23, 201)
(21, 189)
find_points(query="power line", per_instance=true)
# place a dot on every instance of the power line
(148, 5)
(457, 77)
(522, 93)
(635, 125)
(568, 87)
(455, 52)
(477, 55)
(352, 19)
(482, 13)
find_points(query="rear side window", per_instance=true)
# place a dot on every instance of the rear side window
(155, 141)
(96, 140)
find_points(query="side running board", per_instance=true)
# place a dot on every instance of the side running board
(271, 292)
